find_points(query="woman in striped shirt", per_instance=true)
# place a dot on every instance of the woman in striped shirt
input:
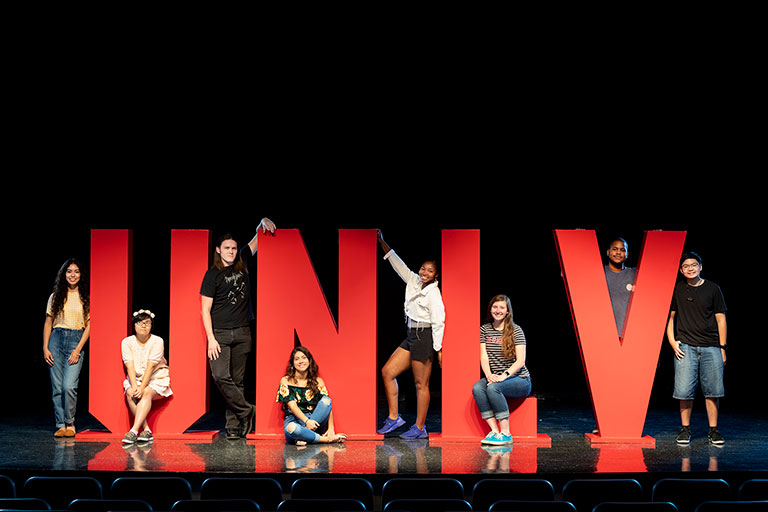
(502, 359)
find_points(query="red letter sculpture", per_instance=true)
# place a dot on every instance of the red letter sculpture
(111, 280)
(289, 298)
(619, 372)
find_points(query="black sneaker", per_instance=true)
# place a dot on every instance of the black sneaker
(233, 433)
(715, 437)
(684, 437)
(246, 425)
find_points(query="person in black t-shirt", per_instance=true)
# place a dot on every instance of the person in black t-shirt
(225, 299)
(697, 333)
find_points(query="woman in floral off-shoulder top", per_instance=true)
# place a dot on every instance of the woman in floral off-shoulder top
(306, 403)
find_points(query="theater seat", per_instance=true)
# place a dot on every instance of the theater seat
(160, 492)
(754, 489)
(267, 492)
(419, 488)
(320, 505)
(490, 490)
(59, 491)
(586, 493)
(232, 505)
(636, 506)
(356, 488)
(7, 487)
(687, 493)
(532, 506)
(105, 505)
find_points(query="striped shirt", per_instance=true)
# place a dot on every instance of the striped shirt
(492, 340)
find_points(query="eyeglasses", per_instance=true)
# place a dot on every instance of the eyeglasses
(145, 323)
(692, 266)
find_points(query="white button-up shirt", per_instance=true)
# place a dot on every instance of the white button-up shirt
(421, 304)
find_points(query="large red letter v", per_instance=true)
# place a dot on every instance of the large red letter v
(619, 372)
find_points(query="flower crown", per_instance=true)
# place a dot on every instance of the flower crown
(148, 312)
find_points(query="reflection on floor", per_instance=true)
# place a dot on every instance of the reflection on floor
(26, 444)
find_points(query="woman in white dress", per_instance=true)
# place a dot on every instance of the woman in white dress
(147, 376)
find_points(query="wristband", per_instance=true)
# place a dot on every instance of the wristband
(724, 347)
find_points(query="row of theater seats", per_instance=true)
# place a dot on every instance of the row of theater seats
(320, 494)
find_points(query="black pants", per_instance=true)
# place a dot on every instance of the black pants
(228, 371)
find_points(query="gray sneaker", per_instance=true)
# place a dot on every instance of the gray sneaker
(684, 437)
(129, 438)
(145, 436)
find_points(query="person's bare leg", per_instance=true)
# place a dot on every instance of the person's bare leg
(397, 363)
(421, 372)
(143, 408)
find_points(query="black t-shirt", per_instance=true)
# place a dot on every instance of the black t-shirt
(695, 307)
(230, 291)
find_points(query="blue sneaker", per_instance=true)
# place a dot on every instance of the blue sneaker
(505, 438)
(414, 433)
(390, 425)
(491, 438)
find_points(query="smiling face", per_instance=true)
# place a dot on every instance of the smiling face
(228, 252)
(690, 268)
(499, 311)
(617, 253)
(427, 272)
(72, 275)
(300, 361)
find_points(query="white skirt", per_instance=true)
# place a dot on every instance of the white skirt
(160, 381)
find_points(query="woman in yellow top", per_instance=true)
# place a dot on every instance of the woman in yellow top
(66, 329)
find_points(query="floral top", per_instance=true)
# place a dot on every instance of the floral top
(303, 396)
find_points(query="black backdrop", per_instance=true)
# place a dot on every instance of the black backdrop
(516, 215)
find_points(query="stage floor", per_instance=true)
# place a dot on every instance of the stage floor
(27, 445)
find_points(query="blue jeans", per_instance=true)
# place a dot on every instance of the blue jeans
(300, 432)
(491, 398)
(700, 364)
(64, 376)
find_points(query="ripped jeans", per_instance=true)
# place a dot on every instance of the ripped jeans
(296, 430)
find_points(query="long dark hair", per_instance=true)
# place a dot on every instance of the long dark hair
(312, 370)
(238, 264)
(60, 288)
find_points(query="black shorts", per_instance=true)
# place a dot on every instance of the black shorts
(419, 343)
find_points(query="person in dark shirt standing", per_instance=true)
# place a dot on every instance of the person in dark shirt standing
(697, 333)
(620, 280)
(226, 308)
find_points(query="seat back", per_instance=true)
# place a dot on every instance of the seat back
(234, 504)
(419, 488)
(7, 487)
(161, 492)
(687, 493)
(348, 487)
(105, 505)
(586, 493)
(320, 505)
(754, 489)
(490, 490)
(59, 491)
(267, 492)
(428, 505)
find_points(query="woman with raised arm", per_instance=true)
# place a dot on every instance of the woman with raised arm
(425, 321)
